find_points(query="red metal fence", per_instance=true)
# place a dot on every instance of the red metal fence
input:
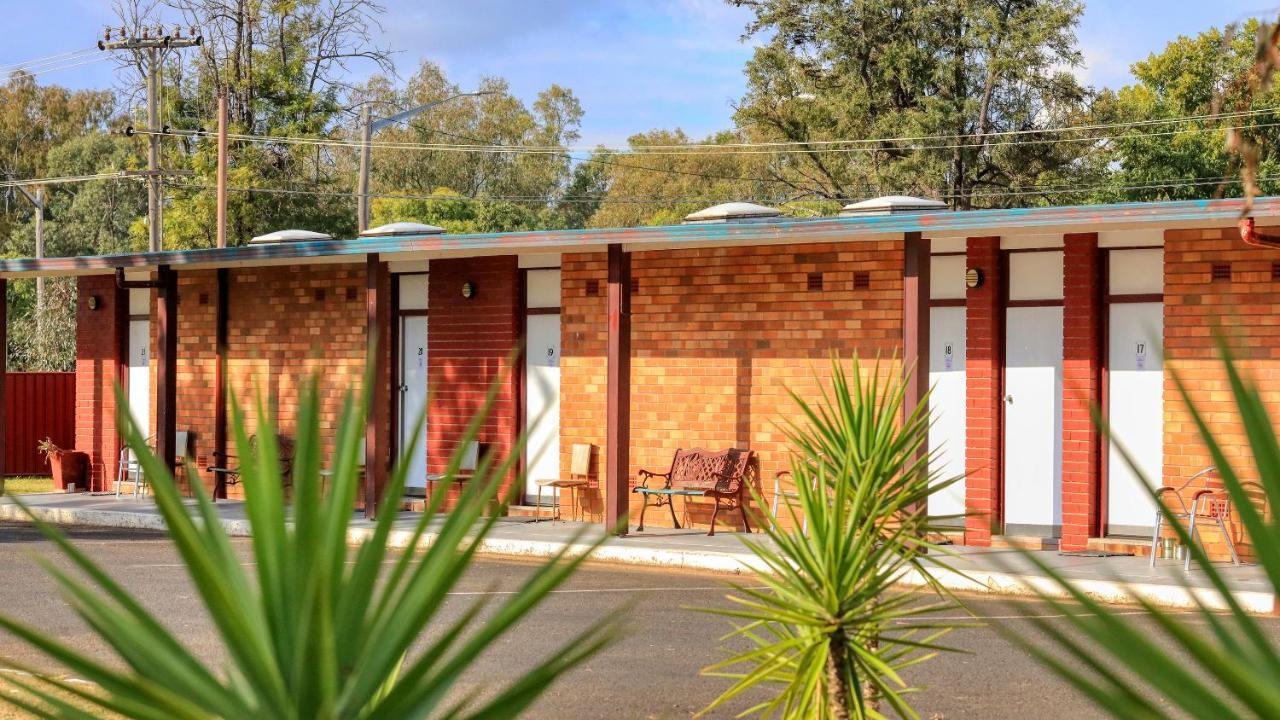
(39, 405)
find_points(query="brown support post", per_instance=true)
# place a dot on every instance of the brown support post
(166, 366)
(377, 424)
(915, 318)
(4, 369)
(220, 379)
(618, 416)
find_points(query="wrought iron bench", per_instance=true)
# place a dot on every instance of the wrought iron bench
(721, 476)
(228, 473)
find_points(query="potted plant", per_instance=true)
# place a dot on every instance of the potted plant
(70, 467)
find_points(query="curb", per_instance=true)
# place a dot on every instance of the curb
(979, 581)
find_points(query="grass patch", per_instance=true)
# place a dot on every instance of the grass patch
(27, 484)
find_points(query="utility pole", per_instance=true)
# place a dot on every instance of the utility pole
(366, 135)
(368, 126)
(151, 50)
(222, 171)
(37, 202)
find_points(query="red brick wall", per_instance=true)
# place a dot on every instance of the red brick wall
(469, 346)
(1081, 388)
(984, 312)
(284, 324)
(98, 373)
(717, 337)
(1247, 309)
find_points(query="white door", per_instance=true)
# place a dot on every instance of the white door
(542, 381)
(1135, 386)
(1033, 397)
(947, 349)
(413, 396)
(542, 401)
(1135, 392)
(140, 375)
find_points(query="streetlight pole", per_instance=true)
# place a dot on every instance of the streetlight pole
(368, 126)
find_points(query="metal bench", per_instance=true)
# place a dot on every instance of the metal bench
(228, 473)
(721, 476)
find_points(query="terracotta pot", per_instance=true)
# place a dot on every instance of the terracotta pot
(69, 468)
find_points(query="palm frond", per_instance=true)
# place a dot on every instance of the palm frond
(315, 629)
(824, 637)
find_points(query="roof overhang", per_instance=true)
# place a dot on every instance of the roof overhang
(1182, 214)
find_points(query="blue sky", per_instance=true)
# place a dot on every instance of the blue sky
(635, 64)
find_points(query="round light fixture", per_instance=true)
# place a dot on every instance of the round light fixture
(468, 290)
(973, 278)
(92, 302)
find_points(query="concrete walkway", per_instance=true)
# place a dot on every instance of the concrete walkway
(981, 570)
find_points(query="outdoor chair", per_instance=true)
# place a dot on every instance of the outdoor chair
(471, 455)
(229, 472)
(129, 469)
(779, 493)
(579, 468)
(1209, 504)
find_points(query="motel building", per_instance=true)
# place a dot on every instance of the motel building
(641, 341)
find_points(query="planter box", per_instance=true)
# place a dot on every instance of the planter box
(70, 468)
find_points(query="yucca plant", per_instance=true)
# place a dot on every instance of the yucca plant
(827, 637)
(316, 629)
(1203, 664)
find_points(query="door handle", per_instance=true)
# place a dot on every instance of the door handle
(403, 388)
(1008, 399)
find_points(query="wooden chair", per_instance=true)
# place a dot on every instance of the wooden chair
(579, 469)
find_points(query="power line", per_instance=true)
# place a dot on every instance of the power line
(604, 161)
(695, 151)
(47, 60)
(659, 200)
(116, 175)
(60, 68)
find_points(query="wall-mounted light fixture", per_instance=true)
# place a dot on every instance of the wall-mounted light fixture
(468, 290)
(973, 278)
(92, 302)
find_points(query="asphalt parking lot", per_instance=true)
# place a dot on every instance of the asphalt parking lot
(653, 672)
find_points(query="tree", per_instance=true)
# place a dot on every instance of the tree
(954, 71)
(488, 123)
(1212, 72)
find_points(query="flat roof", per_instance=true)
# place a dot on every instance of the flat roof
(1174, 214)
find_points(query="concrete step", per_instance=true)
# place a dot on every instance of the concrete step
(1132, 545)
(530, 511)
(1024, 542)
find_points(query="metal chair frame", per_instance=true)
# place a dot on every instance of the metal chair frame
(1207, 504)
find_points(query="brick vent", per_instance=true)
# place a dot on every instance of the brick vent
(815, 281)
(861, 280)
(1220, 272)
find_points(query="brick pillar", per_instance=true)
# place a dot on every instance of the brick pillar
(1081, 388)
(984, 309)
(470, 347)
(100, 349)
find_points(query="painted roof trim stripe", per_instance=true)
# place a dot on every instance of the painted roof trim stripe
(940, 224)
